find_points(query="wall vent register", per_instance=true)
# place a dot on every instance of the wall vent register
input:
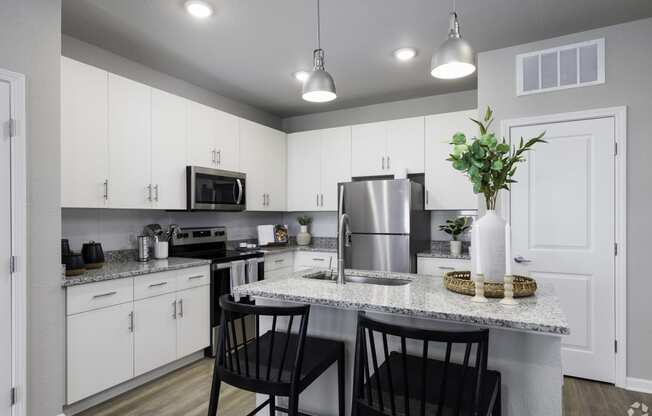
(569, 66)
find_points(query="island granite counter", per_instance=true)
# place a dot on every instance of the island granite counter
(525, 340)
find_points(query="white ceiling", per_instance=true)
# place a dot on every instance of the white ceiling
(248, 50)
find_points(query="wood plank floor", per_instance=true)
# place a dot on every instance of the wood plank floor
(185, 393)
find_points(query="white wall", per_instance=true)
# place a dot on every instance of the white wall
(628, 82)
(30, 43)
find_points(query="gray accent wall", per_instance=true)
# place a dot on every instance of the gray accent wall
(90, 54)
(30, 43)
(393, 110)
(628, 82)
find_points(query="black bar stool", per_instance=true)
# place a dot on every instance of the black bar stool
(405, 384)
(277, 363)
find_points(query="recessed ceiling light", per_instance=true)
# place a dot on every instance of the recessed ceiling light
(405, 54)
(301, 75)
(199, 9)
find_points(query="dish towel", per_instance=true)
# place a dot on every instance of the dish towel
(238, 276)
(252, 270)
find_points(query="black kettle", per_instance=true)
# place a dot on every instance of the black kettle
(93, 255)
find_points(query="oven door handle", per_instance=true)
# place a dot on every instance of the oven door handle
(239, 182)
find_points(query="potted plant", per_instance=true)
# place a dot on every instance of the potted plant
(455, 228)
(490, 165)
(304, 237)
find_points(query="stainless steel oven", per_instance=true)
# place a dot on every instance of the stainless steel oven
(215, 189)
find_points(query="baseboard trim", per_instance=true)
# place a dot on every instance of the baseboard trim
(639, 384)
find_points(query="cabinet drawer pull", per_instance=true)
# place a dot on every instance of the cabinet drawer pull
(322, 200)
(199, 276)
(446, 268)
(131, 322)
(318, 259)
(180, 308)
(279, 261)
(383, 163)
(174, 309)
(103, 295)
(158, 284)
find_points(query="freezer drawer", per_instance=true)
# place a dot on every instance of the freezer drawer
(383, 252)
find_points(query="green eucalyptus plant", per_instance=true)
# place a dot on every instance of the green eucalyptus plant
(304, 220)
(456, 227)
(489, 164)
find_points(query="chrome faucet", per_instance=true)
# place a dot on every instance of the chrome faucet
(343, 240)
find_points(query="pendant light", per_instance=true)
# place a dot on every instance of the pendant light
(455, 57)
(319, 87)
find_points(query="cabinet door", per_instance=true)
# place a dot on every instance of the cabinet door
(84, 151)
(368, 149)
(193, 320)
(405, 145)
(130, 143)
(447, 188)
(304, 173)
(155, 332)
(335, 165)
(253, 161)
(169, 117)
(276, 168)
(99, 350)
(227, 141)
(202, 127)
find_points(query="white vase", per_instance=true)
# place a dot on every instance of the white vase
(490, 241)
(303, 238)
(456, 248)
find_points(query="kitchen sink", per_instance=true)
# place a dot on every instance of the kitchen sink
(383, 281)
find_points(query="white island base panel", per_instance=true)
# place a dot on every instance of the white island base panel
(529, 362)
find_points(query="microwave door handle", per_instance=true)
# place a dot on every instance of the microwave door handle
(239, 182)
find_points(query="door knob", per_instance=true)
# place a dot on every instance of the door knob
(520, 259)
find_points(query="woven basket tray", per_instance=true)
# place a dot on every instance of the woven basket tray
(460, 282)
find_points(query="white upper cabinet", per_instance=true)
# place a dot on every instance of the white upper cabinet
(169, 128)
(130, 142)
(212, 138)
(317, 161)
(446, 188)
(263, 159)
(84, 144)
(227, 141)
(388, 147)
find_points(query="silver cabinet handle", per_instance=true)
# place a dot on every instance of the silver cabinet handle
(318, 259)
(219, 157)
(156, 192)
(446, 268)
(317, 199)
(279, 261)
(387, 162)
(520, 259)
(213, 154)
(158, 284)
(103, 295)
(174, 309)
(383, 164)
(264, 199)
(106, 189)
(149, 191)
(426, 196)
(199, 276)
(322, 200)
(180, 308)
(131, 321)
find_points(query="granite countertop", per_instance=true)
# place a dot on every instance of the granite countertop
(129, 268)
(423, 297)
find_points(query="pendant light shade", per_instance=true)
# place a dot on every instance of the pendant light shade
(319, 87)
(455, 57)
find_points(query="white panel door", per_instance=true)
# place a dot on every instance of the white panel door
(5, 250)
(369, 149)
(202, 129)
(335, 164)
(562, 211)
(155, 332)
(253, 161)
(193, 320)
(405, 145)
(84, 146)
(100, 350)
(275, 169)
(304, 170)
(169, 116)
(447, 188)
(227, 141)
(130, 144)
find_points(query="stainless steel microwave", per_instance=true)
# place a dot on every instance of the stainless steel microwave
(215, 189)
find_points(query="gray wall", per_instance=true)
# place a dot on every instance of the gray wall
(30, 44)
(415, 107)
(628, 63)
(85, 52)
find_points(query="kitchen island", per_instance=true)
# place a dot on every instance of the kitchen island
(525, 340)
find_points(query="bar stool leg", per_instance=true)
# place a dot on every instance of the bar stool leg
(340, 383)
(293, 405)
(498, 407)
(272, 405)
(215, 392)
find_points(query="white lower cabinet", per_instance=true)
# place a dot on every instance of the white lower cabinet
(437, 267)
(155, 332)
(304, 260)
(279, 265)
(112, 337)
(100, 350)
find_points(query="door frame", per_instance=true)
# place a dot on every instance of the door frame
(620, 204)
(16, 83)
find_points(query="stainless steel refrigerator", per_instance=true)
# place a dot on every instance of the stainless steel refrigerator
(389, 224)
